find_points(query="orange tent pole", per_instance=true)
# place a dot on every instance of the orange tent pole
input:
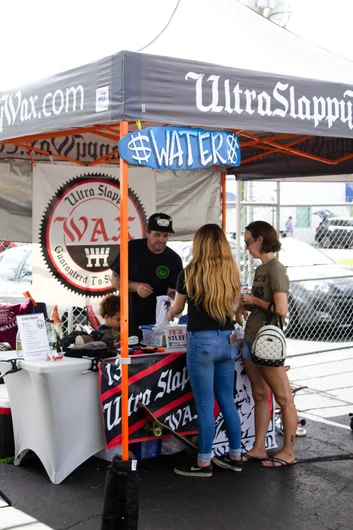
(124, 298)
(224, 201)
(104, 158)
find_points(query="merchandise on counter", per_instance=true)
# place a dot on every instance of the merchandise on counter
(163, 304)
(96, 350)
(19, 345)
(176, 337)
(8, 322)
(57, 320)
(152, 337)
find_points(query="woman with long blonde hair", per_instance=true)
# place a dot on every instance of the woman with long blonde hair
(211, 285)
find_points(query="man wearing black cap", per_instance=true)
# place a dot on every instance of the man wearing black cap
(153, 271)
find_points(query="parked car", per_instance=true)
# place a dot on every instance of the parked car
(321, 293)
(335, 232)
(15, 273)
(320, 300)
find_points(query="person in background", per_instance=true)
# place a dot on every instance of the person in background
(289, 226)
(109, 309)
(271, 285)
(109, 332)
(210, 284)
(153, 271)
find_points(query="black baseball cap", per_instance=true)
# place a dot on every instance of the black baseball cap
(160, 222)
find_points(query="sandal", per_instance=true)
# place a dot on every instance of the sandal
(280, 463)
(250, 458)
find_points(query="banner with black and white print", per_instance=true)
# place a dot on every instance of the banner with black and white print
(76, 228)
(161, 382)
(154, 89)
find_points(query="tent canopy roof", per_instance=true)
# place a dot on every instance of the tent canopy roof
(155, 89)
(228, 33)
(288, 124)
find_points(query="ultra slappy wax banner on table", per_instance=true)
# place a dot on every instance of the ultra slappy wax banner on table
(161, 382)
(178, 148)
(76, 228)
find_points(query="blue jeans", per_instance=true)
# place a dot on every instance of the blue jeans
(210, 362)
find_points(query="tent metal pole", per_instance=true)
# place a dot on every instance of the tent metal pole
(278, 207)
(238, 222)
(224, 201)
(124, 297)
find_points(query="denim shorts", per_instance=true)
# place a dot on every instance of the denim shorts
(247, 354)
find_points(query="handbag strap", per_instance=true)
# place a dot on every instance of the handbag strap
(271, 313)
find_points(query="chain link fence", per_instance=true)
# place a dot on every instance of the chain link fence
(4, 245)
(73, 317)
(317, 250)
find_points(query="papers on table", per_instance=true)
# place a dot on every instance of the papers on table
(34, 338)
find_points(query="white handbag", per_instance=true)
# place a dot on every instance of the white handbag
(269, 347)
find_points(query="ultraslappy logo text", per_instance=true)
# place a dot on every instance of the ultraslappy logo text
(282, 101)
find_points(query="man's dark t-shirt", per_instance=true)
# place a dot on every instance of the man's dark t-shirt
(160, 271)
(198, 319)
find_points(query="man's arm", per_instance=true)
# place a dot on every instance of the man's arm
(142, 289)
(115, 280)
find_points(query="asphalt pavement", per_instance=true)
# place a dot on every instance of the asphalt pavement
(316, 494)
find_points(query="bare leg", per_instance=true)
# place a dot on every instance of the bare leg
(260, 391)
(277, 379)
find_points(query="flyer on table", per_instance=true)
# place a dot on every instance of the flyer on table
(34, 338)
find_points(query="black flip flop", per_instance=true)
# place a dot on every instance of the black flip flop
(280, 462)
(251, 458)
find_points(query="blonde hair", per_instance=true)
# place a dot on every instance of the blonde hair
(212, 277)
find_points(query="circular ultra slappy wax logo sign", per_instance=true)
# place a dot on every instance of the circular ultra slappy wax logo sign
(80, 232)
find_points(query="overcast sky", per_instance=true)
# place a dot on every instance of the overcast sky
(327, 23)
(39, 38)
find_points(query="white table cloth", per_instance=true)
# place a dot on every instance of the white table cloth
(56, 413)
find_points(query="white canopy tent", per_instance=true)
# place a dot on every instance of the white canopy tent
(228, 33)
(244, 47)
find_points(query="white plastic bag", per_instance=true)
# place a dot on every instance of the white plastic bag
(163, 304)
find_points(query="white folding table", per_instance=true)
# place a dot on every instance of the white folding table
(56, 412)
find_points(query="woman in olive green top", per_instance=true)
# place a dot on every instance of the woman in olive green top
(270, 285)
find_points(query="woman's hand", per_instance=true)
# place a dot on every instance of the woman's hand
(177, 306)
(170, 315)
(247, 299)
(241, 315)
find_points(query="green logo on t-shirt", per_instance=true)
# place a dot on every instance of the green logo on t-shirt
(162, 272)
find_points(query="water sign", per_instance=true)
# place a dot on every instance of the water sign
(180, 148)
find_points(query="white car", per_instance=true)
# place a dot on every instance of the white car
(15, 273)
